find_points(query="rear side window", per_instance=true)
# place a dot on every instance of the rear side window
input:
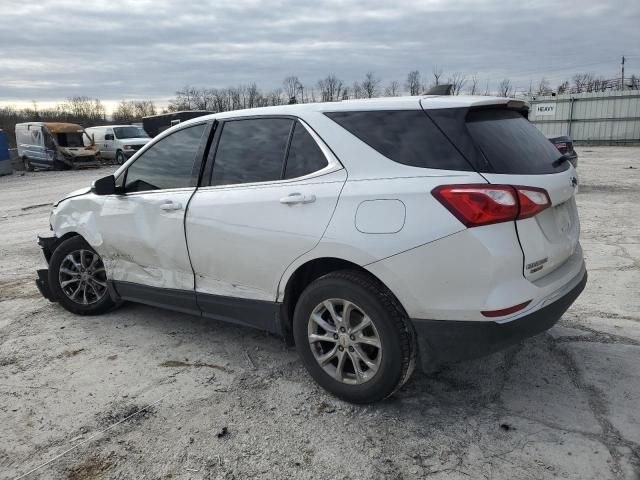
(251, 150)
(305, 156)
(511, 144)
(404, 136)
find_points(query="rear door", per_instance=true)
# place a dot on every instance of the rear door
(272, 192)
(519, 154)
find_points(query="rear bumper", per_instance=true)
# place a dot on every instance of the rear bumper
(445, 341)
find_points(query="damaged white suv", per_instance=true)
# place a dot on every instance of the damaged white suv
(372, 234)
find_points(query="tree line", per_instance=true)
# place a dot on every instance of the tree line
(88, 111)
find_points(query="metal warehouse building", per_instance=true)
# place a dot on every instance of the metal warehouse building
(600, 118)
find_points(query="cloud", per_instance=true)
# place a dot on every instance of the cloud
(148, 49)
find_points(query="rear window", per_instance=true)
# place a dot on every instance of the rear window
(511, 144)
(404, 136)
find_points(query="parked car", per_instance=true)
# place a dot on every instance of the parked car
(118, 142)
(156, 124)
(55, 145)
(372, 234)
(564, 144)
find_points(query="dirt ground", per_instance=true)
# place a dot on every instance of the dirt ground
(229, 402)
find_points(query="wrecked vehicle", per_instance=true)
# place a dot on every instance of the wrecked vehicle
(55, 145)
(373, 234)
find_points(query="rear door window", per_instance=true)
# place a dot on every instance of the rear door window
(251, 150)
(405, 136)
(512, 144)
(305, 156)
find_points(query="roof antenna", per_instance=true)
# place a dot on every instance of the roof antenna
(443, 89)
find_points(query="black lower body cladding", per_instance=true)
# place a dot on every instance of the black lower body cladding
(447, 341)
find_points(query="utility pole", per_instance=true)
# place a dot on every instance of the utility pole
(622, 79)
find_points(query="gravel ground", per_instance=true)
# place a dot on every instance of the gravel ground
(228, 402)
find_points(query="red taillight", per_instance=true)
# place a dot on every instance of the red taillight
(560, 146)
(485, 204)
(505, 311)
(532, 201)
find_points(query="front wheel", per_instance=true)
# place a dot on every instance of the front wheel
(77, 278)
(353, 337)
(27, 164)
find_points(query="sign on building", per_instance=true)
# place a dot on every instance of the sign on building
(545, 109)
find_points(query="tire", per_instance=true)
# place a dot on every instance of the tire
(27, 164)
(120, 158)
(59, 166)
(75, 255)
(387, 367)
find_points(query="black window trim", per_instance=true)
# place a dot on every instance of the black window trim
(333, 164)
(198, 163)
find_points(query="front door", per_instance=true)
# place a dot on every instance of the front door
(143, 238)
(108, 142)
(273, 191)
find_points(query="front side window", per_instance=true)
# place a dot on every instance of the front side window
(251, 150)
(304, 156)
(166, 164)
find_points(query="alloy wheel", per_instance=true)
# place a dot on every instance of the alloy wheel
(82, 277)
(344, 341)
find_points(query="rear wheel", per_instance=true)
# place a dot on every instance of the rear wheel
(120, 157)
(27, 164)
(353, 337)
(77, 278)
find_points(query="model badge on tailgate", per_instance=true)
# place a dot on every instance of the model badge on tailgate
(536, 266)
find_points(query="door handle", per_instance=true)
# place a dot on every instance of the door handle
(296, 198)
(170, 205)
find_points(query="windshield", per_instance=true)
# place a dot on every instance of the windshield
(70, 139)
(130, 132)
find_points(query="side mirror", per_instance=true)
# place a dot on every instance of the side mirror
(104, 186)
(108, 136)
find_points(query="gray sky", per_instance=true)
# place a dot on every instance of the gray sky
(116, 50)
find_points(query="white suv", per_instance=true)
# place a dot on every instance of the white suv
(369, 233)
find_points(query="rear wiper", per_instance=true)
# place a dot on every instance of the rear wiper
(561, 160)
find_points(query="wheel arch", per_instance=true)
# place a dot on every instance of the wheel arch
(306, 273)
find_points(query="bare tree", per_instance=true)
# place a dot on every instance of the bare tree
(330, 88)
(292, 86)
(457, 81)
(563, 87)
(437, 73)
(370, 85)
(473, 85)
(543, 87)
(393, 89)
(582, 82)
(356, 91)
(413, 82)
(505, 88)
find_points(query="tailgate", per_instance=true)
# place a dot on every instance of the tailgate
(551, 237)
